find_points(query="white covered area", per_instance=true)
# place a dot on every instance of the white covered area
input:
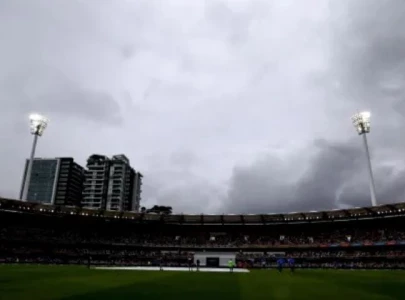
(173, 269)
(214, 259)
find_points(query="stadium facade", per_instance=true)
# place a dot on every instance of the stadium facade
(366, 237)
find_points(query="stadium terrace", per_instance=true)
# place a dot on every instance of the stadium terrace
(35, 238)
(338, 229)
(358, 213)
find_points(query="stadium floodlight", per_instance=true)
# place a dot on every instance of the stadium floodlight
(38, 124)
(361, 122)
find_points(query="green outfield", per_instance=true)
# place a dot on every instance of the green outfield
(57, 282)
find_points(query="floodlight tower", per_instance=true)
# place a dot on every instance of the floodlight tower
(38, 124)
(361, 122)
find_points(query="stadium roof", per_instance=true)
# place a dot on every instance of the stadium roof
(382, 211)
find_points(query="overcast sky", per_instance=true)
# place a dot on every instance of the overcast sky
(238, 106)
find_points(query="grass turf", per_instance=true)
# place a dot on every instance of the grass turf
(59, 282)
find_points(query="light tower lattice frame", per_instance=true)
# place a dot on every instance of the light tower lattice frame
(38, 124)
(361, 122)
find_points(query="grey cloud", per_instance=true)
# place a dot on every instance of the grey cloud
(217, 83)
(368, 61)
(51, 92)
(233, 26)
(177, 182)
(333, 165)
(128, 51)
(368, 52)
(183, 159)
(185, 191)
(195, 196)
(336, 177)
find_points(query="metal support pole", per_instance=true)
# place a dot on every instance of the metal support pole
(370, 172)
(27, 179)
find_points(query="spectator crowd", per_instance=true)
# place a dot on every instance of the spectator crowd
(374, 244)
(205, 240)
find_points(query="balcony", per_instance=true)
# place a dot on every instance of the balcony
(92, 183)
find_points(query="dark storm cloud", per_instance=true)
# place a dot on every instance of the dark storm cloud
(274, 186)
(198, 95)
(188, 192)
(336, 176)
(128, 51)
(194, 195)
(368, 62)
(52, 93)
(369, 51)
(233, 25)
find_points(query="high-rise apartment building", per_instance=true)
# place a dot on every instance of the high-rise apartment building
(57, 181)
(120, 185)
(111, 184)
(69, 188)
(96, 182)
(136, 179)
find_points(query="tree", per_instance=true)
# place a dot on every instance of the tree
(143, 209)
(160, 209)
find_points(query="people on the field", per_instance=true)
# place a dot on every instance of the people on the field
(88, 262)
(291, 264)
(231, 265)
(280, 264)
(190, 263)
(264, 263)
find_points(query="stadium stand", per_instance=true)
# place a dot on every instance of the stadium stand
(371, 237)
